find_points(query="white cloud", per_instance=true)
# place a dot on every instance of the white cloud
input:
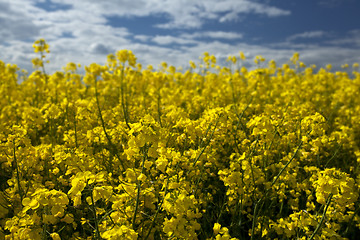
(305, 35)
(165, 40)
(90, 38)
(192, 14)
(351, 39)
(14, 24)
(238, 8)
(181, 13)
(214, 34)
(101, 49)
(142, 38)
(22, 19)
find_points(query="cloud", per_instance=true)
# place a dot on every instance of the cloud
(189, 38)
(99, 48)
(214, 35)
(28, 20)
(235, 9)
(183, 14)
(165, 40)
(306, 35)
(142, 38)
(80, 32)
(351, 39)
(15, 25)
(334, 55)
(192, 14)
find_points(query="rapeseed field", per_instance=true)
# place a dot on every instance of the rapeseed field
(213, 152)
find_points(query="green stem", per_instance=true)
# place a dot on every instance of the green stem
(18, 175)
(323, 217)
(239, 120)
(44, 230)
(157, 211)
(122, 93)
(112, 146)
(250, 163)
(254, 219)
(256, 211)
(158, 107)
(139, 188)
(207, 143)
(287, 164)
(43, 67)
(75, 129)
(97, 231)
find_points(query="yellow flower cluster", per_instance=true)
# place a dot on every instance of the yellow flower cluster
(122, 152)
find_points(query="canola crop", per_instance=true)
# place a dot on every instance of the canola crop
(125, 152)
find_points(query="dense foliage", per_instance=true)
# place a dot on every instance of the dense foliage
(122, 152)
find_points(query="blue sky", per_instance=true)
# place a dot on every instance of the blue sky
(86, 31)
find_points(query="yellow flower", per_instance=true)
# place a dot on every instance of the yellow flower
(55, 236)
(69, 218)
(141, 177)
(37, 62)
(242, 56)
(126, 55)
(161, 163)
(103, 192)
(130, 175)
(216, 228)
(258, 59)
(78, 186)
(57, 211)
(192, 64)
(71, 67)
(30, 203)
(41, 46)
(295, 58)
(84, 221)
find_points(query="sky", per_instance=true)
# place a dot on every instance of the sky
(176, 31)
